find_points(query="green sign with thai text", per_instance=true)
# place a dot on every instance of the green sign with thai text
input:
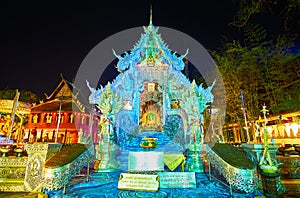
(177, 180)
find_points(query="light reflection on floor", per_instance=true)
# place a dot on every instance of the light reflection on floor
(105, 185)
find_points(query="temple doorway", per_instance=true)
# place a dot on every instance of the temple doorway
(151, 108)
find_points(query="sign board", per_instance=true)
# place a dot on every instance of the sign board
(177, 180)
(146, 161)
(138, 182)
(6, 106)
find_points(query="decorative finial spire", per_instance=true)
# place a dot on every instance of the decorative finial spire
(150, 15)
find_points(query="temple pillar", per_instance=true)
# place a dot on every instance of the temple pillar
(42, 120)
(165, 93)
(83, 119)
(77, 118)
(62, 118)
(37, 155)
(54, 119)
(30, 119)
(164, 112)
(71, 116)
(66, 116)
(136, 99)
(236, 135)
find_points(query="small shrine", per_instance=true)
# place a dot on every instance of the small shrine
(12, 129)
(150, 99)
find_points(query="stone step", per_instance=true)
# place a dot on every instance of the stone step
(165, 144)
(123, 160)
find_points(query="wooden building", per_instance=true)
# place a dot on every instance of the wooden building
(63, 112)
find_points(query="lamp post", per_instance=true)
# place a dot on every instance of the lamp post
(245, 116)
(13, 113)
(91, 123)
(59, 117)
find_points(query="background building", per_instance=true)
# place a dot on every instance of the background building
(63, 112)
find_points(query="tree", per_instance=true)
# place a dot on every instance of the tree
(248, 9)
(25, 96)
(266, 71)
(7, 94)
(279, 70)
(28, 96)
(238, 70)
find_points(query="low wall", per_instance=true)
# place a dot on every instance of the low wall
(24, 174)
(290, 172)
(290, 166)
(28, 174)
(12, 173)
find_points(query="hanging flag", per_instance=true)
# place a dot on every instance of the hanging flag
(13, 112)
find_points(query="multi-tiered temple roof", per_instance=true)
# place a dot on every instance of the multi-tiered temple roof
(151, 49)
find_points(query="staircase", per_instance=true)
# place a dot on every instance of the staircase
(165, 144)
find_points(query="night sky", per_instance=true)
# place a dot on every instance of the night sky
(41, 39)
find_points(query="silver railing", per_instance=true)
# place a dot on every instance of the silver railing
(245, 180)
(57, 178)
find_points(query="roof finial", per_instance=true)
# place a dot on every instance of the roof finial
(150, 15)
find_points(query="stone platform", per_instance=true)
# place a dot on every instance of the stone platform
(165, 144)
